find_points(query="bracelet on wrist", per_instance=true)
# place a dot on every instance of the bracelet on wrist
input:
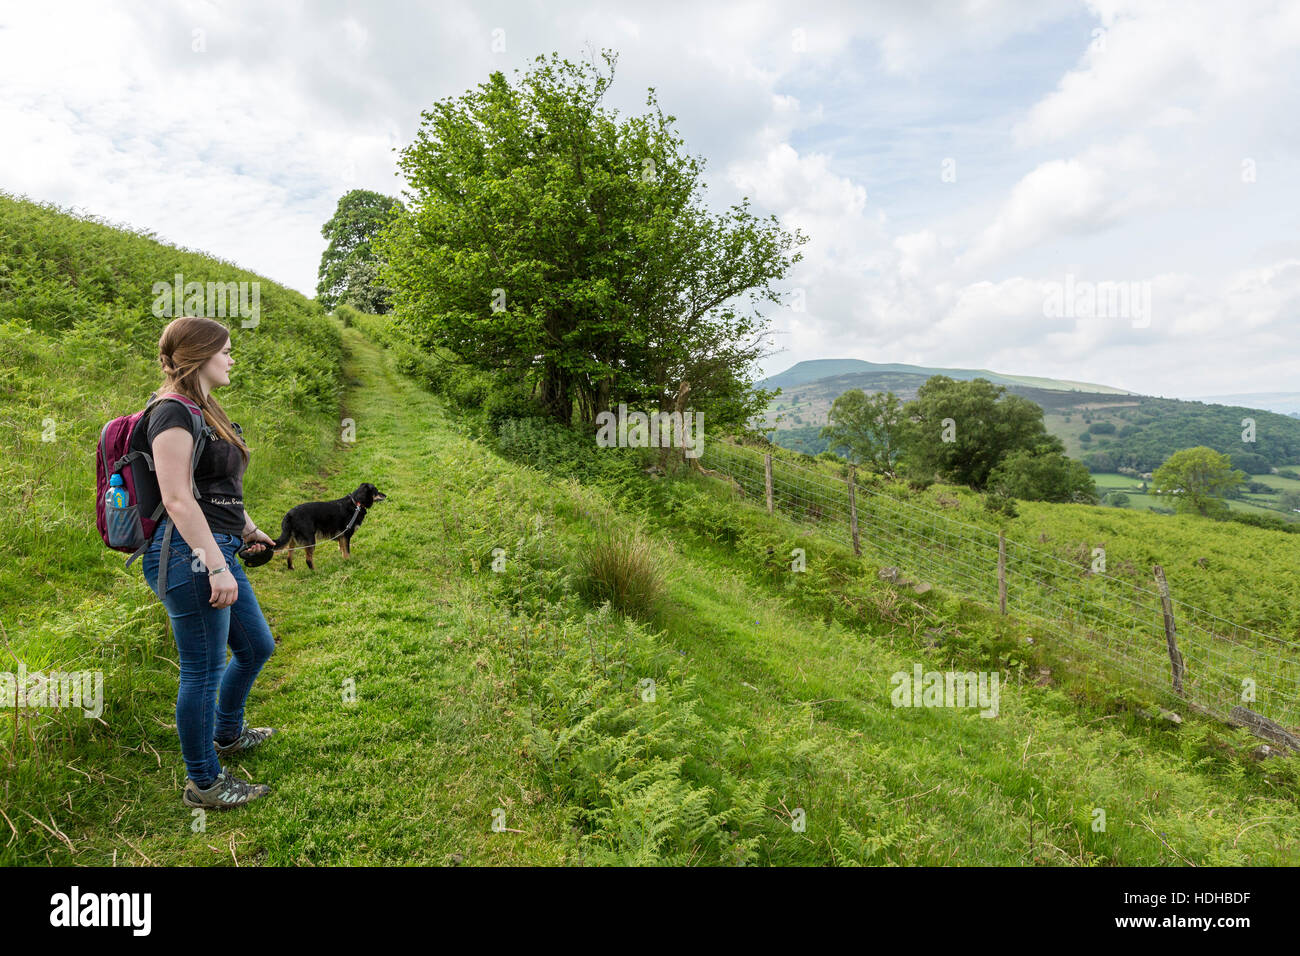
(216, 571)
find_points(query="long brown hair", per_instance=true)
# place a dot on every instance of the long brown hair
(186, 345)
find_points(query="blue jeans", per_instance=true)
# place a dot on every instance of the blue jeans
(202, 633)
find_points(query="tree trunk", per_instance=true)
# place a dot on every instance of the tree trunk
(679, 407)
(557, 398)
(602, 398)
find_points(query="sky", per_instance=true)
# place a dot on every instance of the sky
(1100, 191)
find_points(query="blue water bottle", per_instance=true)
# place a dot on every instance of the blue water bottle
(116, 497)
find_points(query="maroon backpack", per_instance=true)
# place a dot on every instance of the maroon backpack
(124, 449)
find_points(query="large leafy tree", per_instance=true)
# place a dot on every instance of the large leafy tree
(1198, 478)
(551, 238)
(349, 265)
(960, 430)
(1043, 474)
(868, 427)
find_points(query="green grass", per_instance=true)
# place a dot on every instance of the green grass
(469, 683)
(1268, 504)
(1111, 481)
(1069, 432)
(1278, 482)
(501, 718)
(1233, 635)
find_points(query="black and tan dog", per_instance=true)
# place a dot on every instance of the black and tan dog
(329, 519)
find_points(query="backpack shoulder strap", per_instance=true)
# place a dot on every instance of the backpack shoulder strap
(200, 430)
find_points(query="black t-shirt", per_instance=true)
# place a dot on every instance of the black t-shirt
(218, 474)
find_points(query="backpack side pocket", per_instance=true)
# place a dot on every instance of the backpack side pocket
(124, 528)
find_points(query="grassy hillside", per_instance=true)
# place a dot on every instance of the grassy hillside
(504, 716)
(78, 346)
(747, 663)
(1265, 502)
(482, 693)
(1143, 432)
(1259, 583)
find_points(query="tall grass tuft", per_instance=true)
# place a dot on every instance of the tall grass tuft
(620, 568)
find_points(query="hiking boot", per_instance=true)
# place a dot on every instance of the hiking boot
(248, 738)
(227, 791)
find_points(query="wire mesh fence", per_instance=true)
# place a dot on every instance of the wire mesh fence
(1227, 670)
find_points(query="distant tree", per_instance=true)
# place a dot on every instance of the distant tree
(1290, 500)
(960, 431)
(1117, 499)
(1197, 478)
(1251, 463)
(349, 264)
(868, 427)
(364, 290)
(1044, 474)
(1102, 428)
(1101, 462)
(1085, 438)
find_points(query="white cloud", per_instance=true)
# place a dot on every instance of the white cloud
(1103, 186)
(1156, 62)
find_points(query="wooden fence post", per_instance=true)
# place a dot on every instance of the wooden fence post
(1171, 637)
(1002, 572)
(853, 509)
(767, 478)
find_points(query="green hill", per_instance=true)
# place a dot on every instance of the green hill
(502, 716)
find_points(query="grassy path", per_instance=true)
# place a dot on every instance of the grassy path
(411, 771)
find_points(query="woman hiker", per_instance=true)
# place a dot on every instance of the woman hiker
(214, 605)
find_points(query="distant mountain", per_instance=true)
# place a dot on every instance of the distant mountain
(816, 369)
(1106, 428)
(1284, 403)
(809, 388)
